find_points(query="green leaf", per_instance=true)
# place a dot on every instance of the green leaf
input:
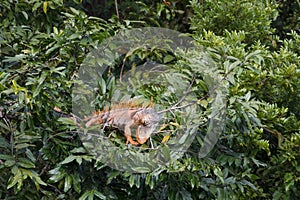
(23, 162)
(249, 184)
(57, 175)
(76, 182)
(75, 36)
(255, 53)
(79, 159)
(76, 12)
(289, 185)
(4, 126)
(16, 179)
(6, 157)
(30, 155)
(183, 139)
(9, 163)
(39, 180)
(149, 181)
(23, 146)
(131, 180)
(69, 159)
(79, 150)
(258, 163)
(68, 183)
(25, 15)
(186, 195)
(165, 152)
(102, 86)
(33, 176)
(99, 194)
(112, 176)
(58, 70)
(288, 177)
(16, 58)
(67, 121)
(168, 58)
(203, 103)
(141, 169)
(248, 96)
(50, 50)
(40, 82)
(86, 195)
(219, 174)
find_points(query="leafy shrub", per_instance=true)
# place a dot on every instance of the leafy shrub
(251, 17)
(43, 44)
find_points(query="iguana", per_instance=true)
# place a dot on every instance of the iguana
(126, 116)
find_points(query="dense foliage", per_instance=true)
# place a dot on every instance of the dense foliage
(257, 155)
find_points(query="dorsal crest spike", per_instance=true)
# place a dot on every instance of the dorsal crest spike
(151, 103)
(130, 104)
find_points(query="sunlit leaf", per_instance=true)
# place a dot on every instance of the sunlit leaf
(45, 6)
(141, 169)
(16, 58)
(166, 138)
(69, 159)
(68, 183)
(16, 179)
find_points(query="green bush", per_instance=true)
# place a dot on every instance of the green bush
(257, 155)
(251, 17)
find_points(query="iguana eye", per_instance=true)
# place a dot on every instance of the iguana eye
(146, 121)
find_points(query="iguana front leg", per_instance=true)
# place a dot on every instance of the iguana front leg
(127, 133)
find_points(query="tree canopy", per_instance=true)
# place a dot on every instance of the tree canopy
(249, 49)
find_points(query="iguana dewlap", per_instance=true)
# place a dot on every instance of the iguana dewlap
(144, 120)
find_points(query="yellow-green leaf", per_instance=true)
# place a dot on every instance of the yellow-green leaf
(45, 6)
(16, 179)
(166, 138)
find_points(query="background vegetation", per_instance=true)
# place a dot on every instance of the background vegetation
(254, 43)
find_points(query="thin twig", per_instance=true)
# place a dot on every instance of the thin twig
(55, 188)
(117, 10)
(44, 169)
(151, 143)
(175, 106)
(122, 68)
(186, 93)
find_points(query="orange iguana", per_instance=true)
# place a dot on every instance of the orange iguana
(126, 116)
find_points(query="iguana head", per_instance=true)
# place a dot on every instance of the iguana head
(146, 117)
(147, 120)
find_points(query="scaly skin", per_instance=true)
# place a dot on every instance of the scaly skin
(143, 119)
